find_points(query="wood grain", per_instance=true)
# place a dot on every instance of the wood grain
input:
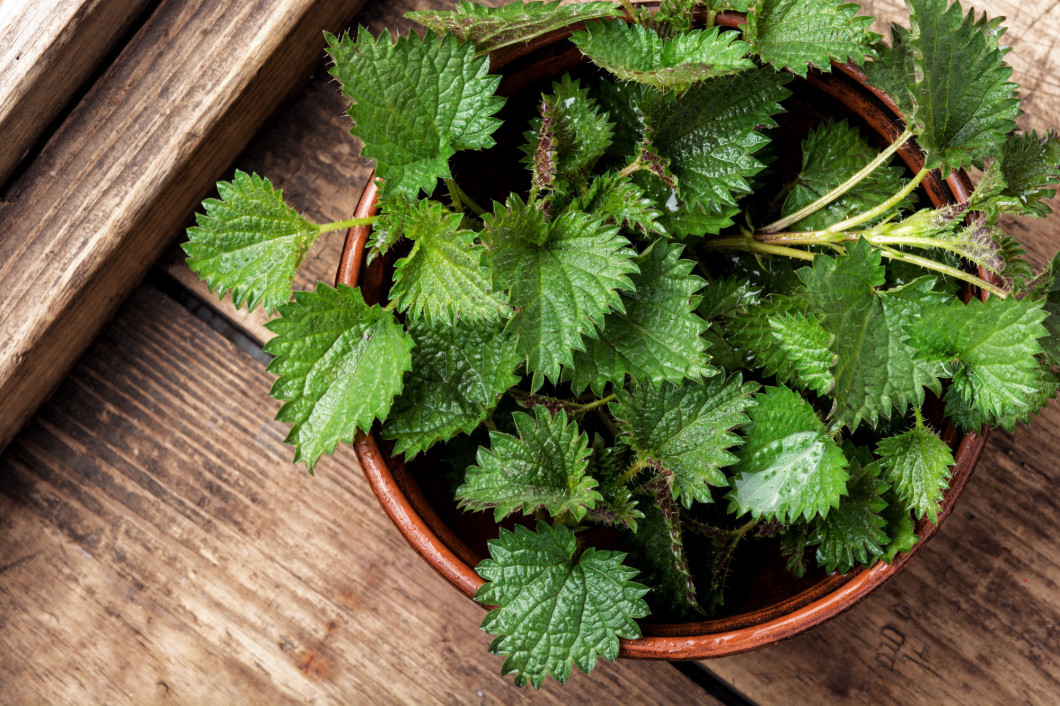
(115, 183)
(159, 545)
(47, 51)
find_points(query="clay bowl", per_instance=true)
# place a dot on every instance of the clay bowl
(765, 603)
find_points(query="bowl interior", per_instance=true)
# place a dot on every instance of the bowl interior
(764, 601)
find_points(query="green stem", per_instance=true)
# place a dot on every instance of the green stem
(741, 243)
(631, 472)
(635, 166)
(391, 305)
(883, 207)
(344, 225)
(605, 419)
(454, 195)
(468, 201)
(919, 417)
(944, 269)
(842, 188)
(598, 403)
(571, 405)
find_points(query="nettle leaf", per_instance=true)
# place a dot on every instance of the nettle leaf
(892, 69)
(789, 465)
(555, 610)
(658, 335)
(918, 465)
(459, 371)
(993, 349)
(661, 548)
(726, 296)
(709, 132)
(757, 333)
(250, 243)
(622, 102)
(853, 533)
(563, 278)
(443, 278)
(901, 528)
(686, 430)
(339, 362)
(964, 103)
(638, 53)
(621, 202)
(1051, 304)
(490, 28)
(415, 102)
(395, 215)
(807, 346)
(543, 468)
(831, 154)
(580, 131)
(797, 34)
(1023, 175)
(876, 369)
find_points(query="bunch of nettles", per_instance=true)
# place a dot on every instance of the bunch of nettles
(626, 342)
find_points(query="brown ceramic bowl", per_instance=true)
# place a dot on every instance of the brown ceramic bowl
(765, 603)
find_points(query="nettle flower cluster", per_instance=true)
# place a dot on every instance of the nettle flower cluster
(633, 339)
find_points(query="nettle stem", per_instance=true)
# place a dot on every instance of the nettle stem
(883, 207)
(345, 225)
(631, 472)
(846, 186)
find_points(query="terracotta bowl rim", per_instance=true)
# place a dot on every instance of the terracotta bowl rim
(691, 640)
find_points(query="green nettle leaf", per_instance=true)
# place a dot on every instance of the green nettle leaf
(901, 528)
(415, 102)
(686, 431)
(638, 53)
(621, 202)
(543, 468)
(789, 465)
(831, 154)
(964, 103)
(797, 34)
(709, 132)
(993, 349)
(490, 28)
(807, 347)
(555, 610)
(563, 278)
(1023, 175)
(339, 362)
(853, 533)
(250, 243)
(726, 296)
(395, 215)
(579, 132)
(876, 369)
(443, 278)
(917, 464)
(621, 100)
(892, 69)
(660, 547)
(658, 337)
(458, 373)
(1051, 304)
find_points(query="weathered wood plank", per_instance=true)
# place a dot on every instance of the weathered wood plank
(47, 51)
(158, 543)
(975, 618)
(113, 185)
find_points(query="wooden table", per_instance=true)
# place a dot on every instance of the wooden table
(156, 544)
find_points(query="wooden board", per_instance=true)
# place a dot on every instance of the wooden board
(116, 182)
(47, 51)
(159, 545)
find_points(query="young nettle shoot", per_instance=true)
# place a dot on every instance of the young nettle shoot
(669, 330)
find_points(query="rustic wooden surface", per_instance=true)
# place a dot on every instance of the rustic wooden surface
(47, 52)
(116, 181)
(158, 546)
